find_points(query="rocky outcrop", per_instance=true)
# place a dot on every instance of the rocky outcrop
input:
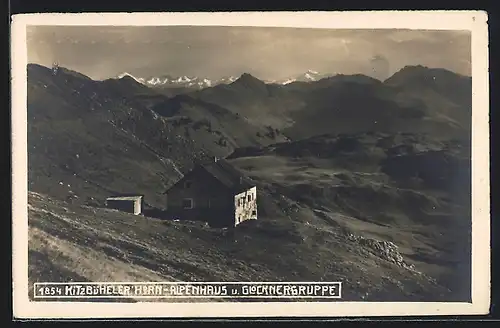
(384, 249)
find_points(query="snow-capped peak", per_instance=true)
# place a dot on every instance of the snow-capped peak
(124, 74)
(288, 81)
(156, 80)
(184, 81)
(309, 76)
(166, 81)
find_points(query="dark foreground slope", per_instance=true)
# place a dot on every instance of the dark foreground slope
(339, 216)
(79, 243)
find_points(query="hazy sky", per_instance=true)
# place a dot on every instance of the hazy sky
(268, 53)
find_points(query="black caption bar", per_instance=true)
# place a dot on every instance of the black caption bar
(188, 290)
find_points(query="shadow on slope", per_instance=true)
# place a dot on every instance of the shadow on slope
(106, 245)
(87, 139)
(416, 99)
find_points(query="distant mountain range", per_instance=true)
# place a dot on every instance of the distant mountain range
(166, 81)
(309, 76)
(195, 82)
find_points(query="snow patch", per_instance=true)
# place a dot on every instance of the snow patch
(309, 76)
(122, 75)
(288, 81)
(179, 81)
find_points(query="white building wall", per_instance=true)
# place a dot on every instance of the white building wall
(137, 207)
(245, 205)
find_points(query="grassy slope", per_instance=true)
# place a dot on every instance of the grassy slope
(348, 189)
(210, 125)
(318, 221)
(89, 139)
(69, 242)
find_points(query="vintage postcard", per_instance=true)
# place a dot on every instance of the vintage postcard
(286, 164)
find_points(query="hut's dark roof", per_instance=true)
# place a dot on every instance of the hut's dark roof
(224, 172)
(228, 175)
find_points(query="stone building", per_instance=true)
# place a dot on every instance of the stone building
(130, 204)
(214, 192)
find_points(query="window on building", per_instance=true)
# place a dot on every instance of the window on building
(249, 197)
(187, 203)
(254, 212)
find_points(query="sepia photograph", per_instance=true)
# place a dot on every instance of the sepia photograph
(172, 164)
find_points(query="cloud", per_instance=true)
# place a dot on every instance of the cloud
(380, 67)
(271, 53)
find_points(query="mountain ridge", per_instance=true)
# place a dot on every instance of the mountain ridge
(196, 82)
(347, 102)
(200, 82)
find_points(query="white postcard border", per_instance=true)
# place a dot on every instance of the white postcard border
(474, 21)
